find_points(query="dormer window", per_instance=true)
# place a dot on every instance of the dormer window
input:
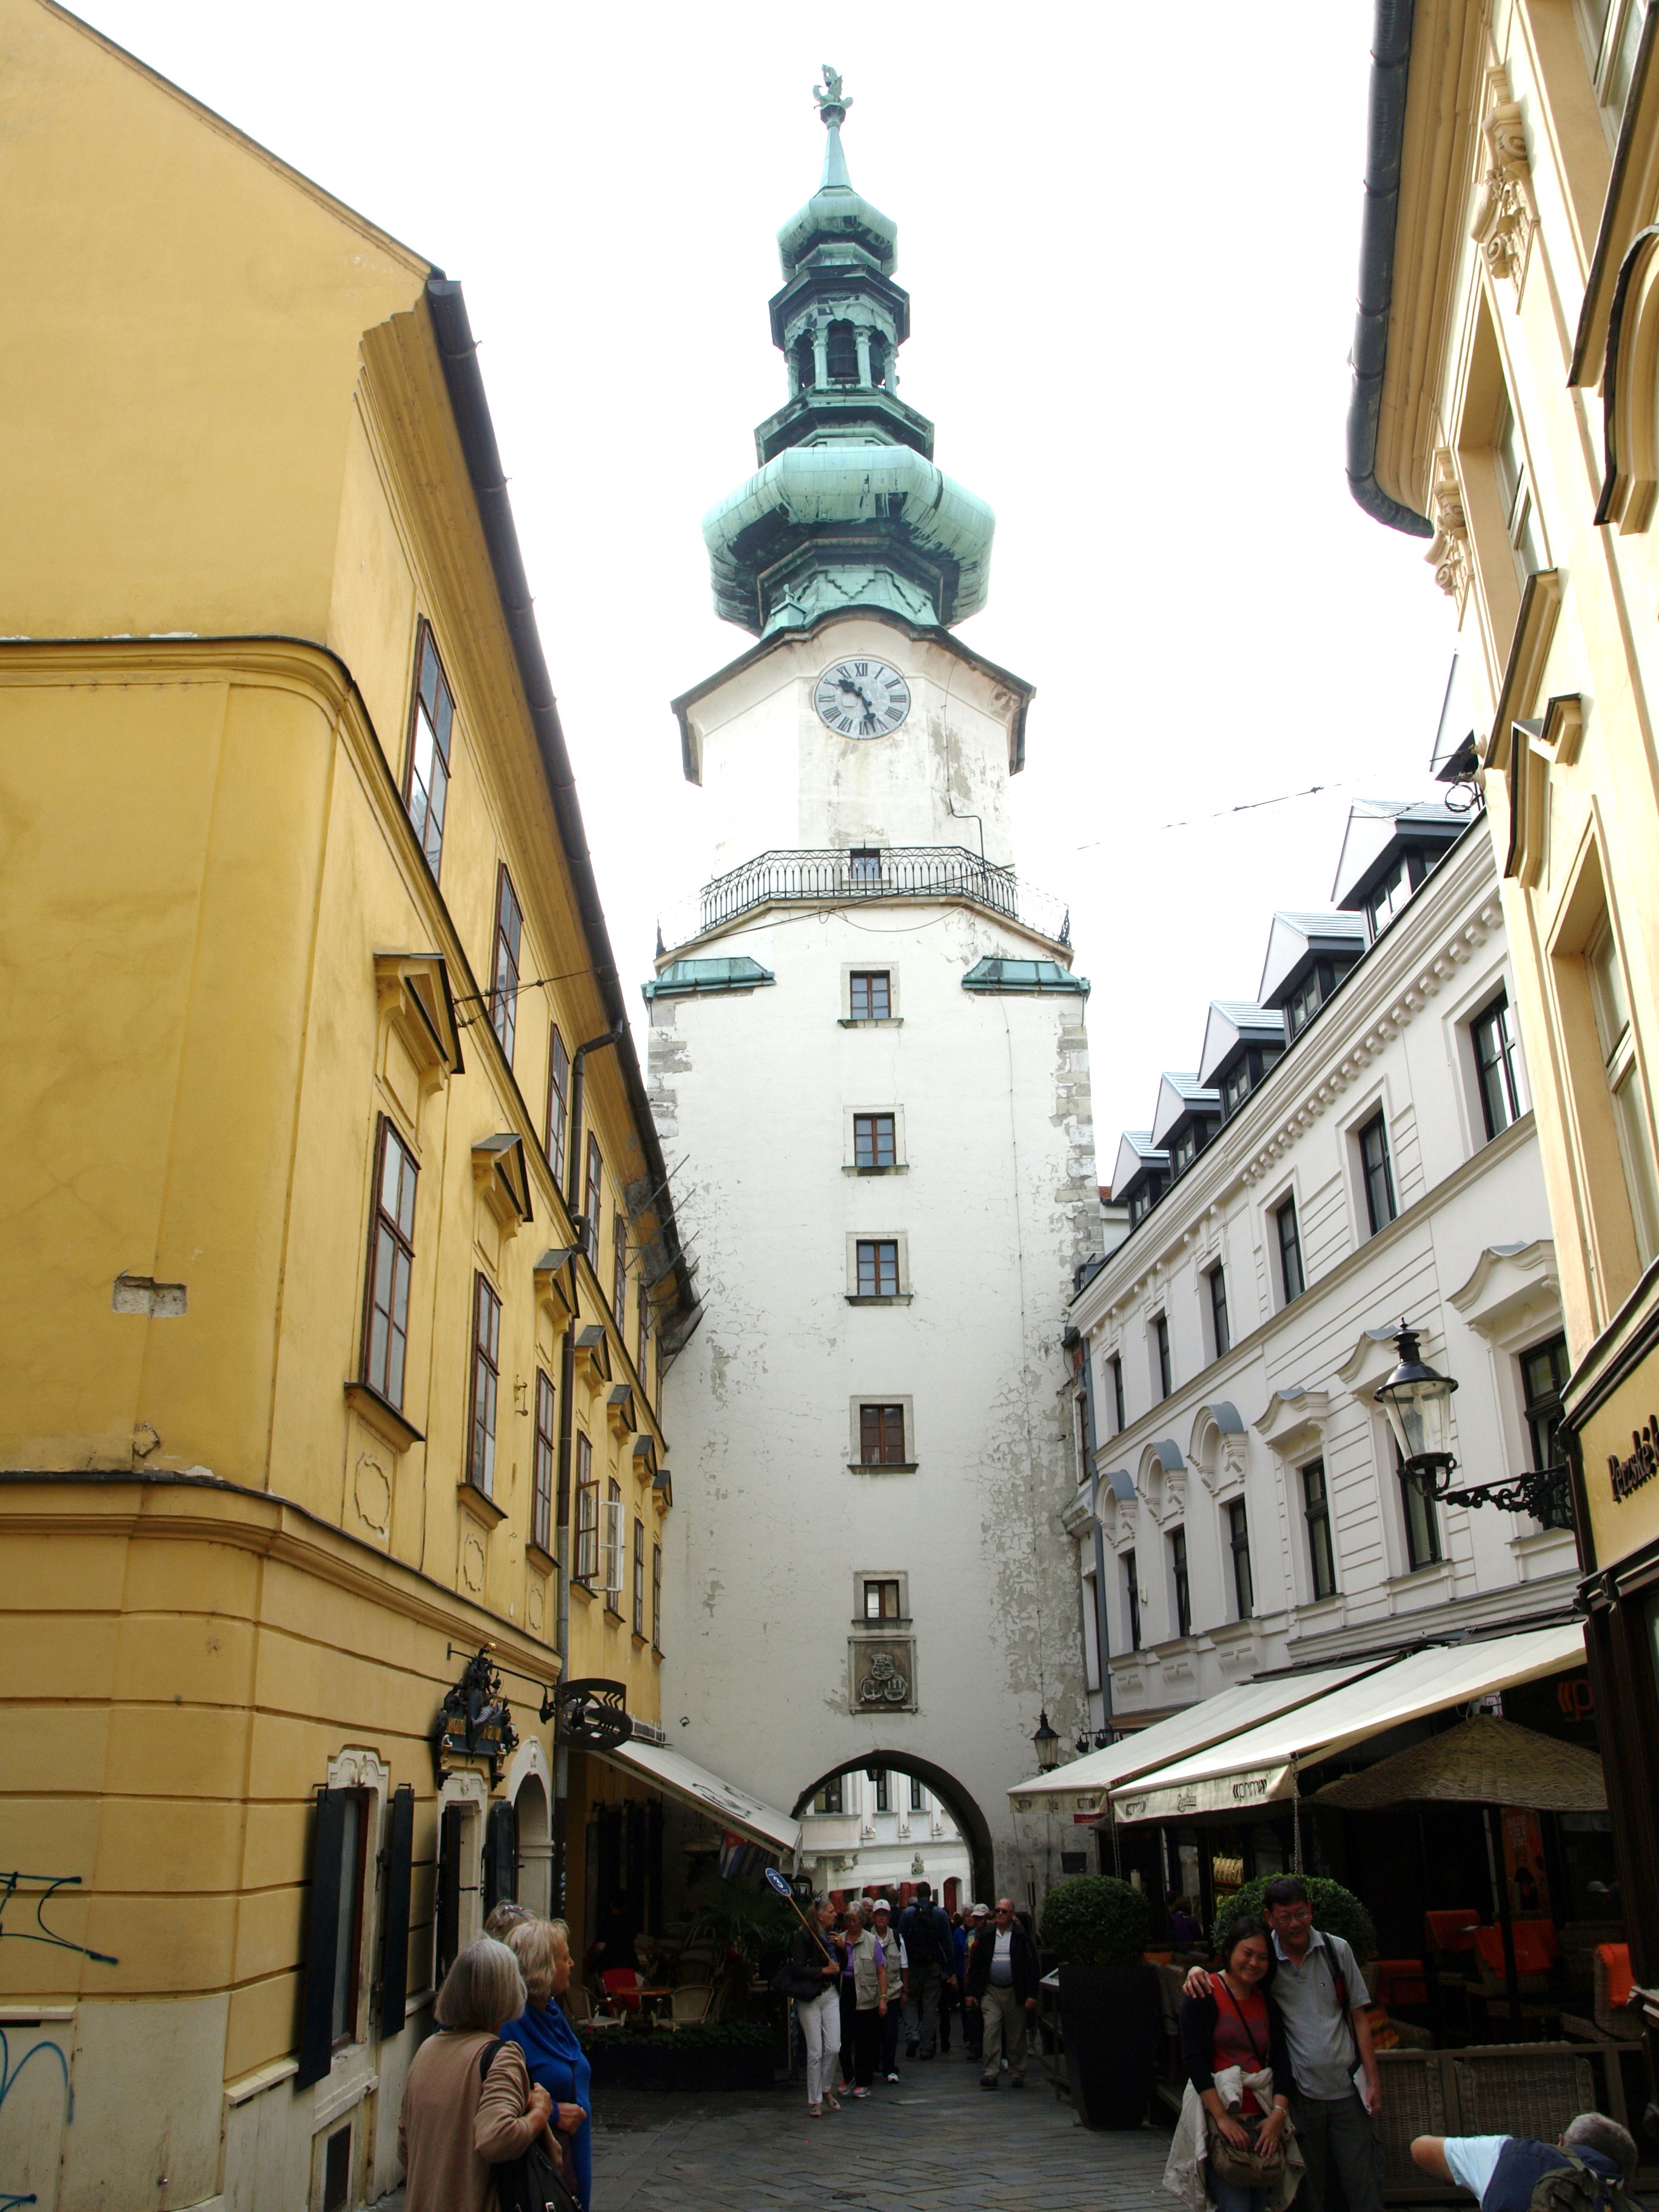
(1396, 888)
(1304, 1004)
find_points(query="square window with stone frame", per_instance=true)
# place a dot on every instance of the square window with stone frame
(881, 1598)
(426, 775)
(828, 1799)
(874, 1141)
(504, 981)
(587, 1514)
(918, 1795)
(390, 1263)
(486, 1384)
(881, 1436)
(878, 1262)
(864, 866)
(541, 1465)
(870, 994)
(884, 1791)
(1499, 1070)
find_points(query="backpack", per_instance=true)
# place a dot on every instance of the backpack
(1578, 2187)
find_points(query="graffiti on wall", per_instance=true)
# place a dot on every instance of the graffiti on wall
(17, 1886)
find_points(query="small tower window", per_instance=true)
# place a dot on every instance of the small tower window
(877, 359)
(805, 368)
(843, 354)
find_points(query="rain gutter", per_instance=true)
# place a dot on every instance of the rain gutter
(1391, 52)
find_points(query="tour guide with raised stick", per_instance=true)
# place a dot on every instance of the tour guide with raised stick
(817, 1993)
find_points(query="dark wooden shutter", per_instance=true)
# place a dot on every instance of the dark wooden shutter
(449, 1890)
(394, 1916)
(501, 1855)
(322, 1937)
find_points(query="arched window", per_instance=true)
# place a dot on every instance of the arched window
(806, 374)
(843, 354)
(877, 359)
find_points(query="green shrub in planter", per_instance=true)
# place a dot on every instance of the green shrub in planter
(1094, 1918)
(1336, 1911)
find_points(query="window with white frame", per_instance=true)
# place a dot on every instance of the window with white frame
(1377, 1172)
(1500, 1072)
(1610, 1000)
(1515, 492)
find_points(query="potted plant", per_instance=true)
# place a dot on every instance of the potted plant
(1336, 1911)
(1098, 1928)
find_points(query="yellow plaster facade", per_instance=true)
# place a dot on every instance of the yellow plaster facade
(1519, 414)
(245, 1550)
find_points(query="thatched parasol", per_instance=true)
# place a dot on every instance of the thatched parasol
(1483, 1761)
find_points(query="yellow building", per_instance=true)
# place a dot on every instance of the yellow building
(336, 1275)
(1506, 411)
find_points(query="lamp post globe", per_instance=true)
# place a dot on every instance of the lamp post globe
(1417, 1404)
(1047, 1743)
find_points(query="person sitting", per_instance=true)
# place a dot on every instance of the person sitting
(1186, 1929)
(1503, 2171)
(1238, 2069)
(457, 2122)
(552, 2049)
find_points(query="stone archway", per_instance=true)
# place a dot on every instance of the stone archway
(975, 1831)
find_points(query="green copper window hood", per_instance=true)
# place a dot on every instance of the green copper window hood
(1023, 975)
(692, 978)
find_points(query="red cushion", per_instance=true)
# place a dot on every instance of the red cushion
(1452, 1931)
(1615, 1957)
(1532, 1952)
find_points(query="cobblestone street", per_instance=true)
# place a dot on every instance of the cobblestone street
(934, 2143)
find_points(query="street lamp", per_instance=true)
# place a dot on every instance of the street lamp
(1083, 1743)
(1418, 1403)
(1047, 1742)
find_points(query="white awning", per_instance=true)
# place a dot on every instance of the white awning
(1262, 1765)
(695, 1785)
(1191, 1729)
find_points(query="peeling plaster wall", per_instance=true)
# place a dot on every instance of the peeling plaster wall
(998, 1203)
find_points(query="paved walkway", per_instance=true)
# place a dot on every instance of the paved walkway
(937, 2143)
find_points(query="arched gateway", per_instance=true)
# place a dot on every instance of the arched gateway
(956, 1799)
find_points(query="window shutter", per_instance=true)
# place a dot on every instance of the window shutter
(501, 1855)
(394, 1920)
(323, 1933)
(449, 1890)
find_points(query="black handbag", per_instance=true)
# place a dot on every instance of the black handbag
(531, 2182)
(790, 1982)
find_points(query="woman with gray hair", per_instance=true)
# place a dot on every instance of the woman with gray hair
(552, 2049)
(459, 2121)
(815, 1963)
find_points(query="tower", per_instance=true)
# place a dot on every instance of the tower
(867, 1045)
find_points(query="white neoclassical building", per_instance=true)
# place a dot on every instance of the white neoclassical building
(867, 1049)
(1354, 1149)
(880, 1833)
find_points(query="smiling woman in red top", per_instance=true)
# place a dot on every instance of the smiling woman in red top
(1238, 2024)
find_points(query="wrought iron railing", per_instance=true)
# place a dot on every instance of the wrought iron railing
(892, 872)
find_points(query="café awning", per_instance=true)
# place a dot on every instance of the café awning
(682, 1777)
(1262, 1765)
(1190, 1730)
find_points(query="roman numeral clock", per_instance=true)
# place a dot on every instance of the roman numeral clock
(861, 698)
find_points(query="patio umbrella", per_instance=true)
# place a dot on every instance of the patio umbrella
(1486, 1762)
(1483, 1761)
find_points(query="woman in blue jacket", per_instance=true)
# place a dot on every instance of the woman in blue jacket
(553, 2055)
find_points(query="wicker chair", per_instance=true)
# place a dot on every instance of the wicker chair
(691, 2005)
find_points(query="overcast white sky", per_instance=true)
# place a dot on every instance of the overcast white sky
(1130, 235)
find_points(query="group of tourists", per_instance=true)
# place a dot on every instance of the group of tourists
(1283, 2088)
(858, 1973)
(496, 2107)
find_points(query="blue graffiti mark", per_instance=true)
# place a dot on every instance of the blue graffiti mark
(49, 1885)
(10, 2077)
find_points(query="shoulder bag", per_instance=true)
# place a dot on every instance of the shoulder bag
(531, 2182)
(1245, 2169)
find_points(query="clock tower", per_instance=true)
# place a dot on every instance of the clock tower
(868, 1046)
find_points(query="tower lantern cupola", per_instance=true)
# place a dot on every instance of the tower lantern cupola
(847, 509)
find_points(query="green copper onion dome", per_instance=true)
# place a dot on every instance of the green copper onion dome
(847, 509)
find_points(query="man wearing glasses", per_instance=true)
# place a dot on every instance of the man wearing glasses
(1319, 1989)
(1002, 1986)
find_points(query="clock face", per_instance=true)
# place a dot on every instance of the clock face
(861, 698)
